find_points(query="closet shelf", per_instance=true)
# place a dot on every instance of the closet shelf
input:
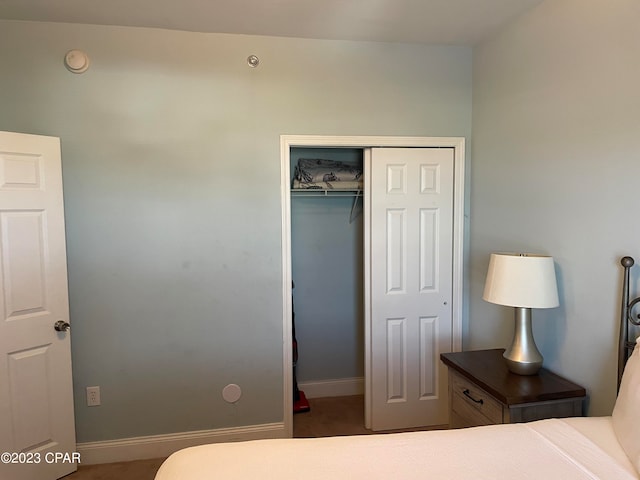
(307, 192)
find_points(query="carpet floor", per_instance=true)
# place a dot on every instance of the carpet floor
(327, 417)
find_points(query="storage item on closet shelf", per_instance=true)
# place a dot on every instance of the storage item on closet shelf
(327, 174)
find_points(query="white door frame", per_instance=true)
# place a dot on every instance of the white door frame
(327, 141)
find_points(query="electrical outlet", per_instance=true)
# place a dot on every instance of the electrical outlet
(93, 396)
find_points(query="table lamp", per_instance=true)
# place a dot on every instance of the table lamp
(523, 281)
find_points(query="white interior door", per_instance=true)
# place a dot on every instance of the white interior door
(36, 399)
(410, 210)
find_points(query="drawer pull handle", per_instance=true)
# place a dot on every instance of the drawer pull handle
(468, 395)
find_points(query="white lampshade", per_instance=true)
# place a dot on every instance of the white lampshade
(521, 280)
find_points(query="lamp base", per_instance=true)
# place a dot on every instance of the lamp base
(523, 357)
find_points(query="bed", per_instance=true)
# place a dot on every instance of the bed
(570, 448)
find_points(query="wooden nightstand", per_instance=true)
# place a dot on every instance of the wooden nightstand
(482, 391)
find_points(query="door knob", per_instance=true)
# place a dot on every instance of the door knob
(61, 326)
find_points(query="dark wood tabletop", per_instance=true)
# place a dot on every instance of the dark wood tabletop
(488, 370)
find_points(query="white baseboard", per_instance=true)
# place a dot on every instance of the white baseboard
(339, 387)
(158, 446)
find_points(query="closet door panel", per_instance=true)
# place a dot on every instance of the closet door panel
(428, 347)
(396, 360)
(429, 248)
(396, 250)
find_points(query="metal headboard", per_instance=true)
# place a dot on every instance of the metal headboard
(625, 347)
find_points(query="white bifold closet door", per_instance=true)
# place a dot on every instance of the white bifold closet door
(409, 211)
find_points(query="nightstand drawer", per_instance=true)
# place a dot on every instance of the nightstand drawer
(467, 398)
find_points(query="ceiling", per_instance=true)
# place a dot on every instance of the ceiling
(450, 22)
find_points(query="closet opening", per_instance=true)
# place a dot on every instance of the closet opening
(327, 271)
(363, 363)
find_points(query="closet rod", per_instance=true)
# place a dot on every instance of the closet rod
(326, 193)
(356, 194)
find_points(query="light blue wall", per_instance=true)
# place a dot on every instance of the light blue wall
(327, 268)
(171, 166)
(556, 162)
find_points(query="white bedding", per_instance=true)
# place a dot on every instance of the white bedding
(567, 449)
